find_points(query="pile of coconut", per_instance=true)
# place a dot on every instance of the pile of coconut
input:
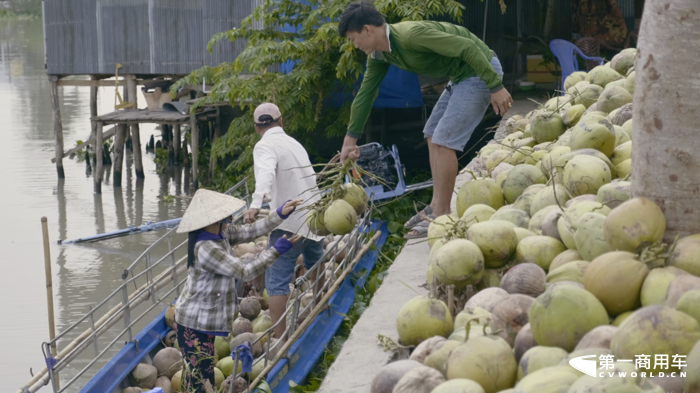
(557, 261)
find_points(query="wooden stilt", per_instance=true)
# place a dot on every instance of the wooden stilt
(57, 126)
(176, 143)
(119, 139)
(194, 136)
(93, 113)
(97, 148)
(49, 286)
(185, 154)
(136, 143)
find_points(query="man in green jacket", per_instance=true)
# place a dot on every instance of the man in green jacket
(435, 49)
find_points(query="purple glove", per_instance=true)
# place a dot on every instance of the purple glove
(283, 245)
(279, 211)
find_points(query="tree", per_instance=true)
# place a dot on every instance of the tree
(665, 163)
(324, 64)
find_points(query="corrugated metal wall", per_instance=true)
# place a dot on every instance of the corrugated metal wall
(145, 36)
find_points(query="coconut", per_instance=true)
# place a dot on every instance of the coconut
(641, 214)
(480, 191)
(686, 255)
(170, 317)
(617, 377)
(630, 82)
(613, 195)
(486, 360)
(555, 379)
(340, 217)
(623, 116)
(168, 361)
(518, 217)
(602, 75)
(692, 379)
(623, 61)
(510, 315)
(496, 240)
(549, 225)
(316, 222)
(550, 159)
(241, 325)
(586, 95)
(239, 385)
(500, 168)
(616, 278)
(523, 154)
(425, 348)
(520, 178)
(621, 318)
(563, 314)
(572, 214)
(490, 278)
(170, 339)
(679, 286)
(488, 149)
(439, 227)
(356, 196)
(422, 318)
(585, 175)
(597, 338)
(581, 198)
(221, 346)
(544, 146)
(539, 357)
(564, 258)
(486, 300)
(419, 380)
(164, 383)
(251, 338)
(574, 78)
(438, 359)
(459, 385)
(501, 178)
(642, 333)
(593, 133)
(132, 390)
(477, 213)
(546, 126)
(539, 250)
(572, 115)
(176, 382)
(262, 323)
(524, 202)
(218, 378)
(522, 233)
(250, 308)
(555, 103)
(689, 303)
(226, 366)
(613, 97)
(572, 271)
(624, 169)
(555, 195)
(459, 262)
(524, 340)
(389, 375)
(561, 163)
(538, 219)
(498, 157)
(479, 317)
(144, 376)
(589, 237)
(526, 278)
(620, 136)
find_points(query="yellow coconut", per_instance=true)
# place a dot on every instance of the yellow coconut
(613, 195)
(554, 379)
(540, 250)
(686, 255)
(459, 262)
(572, 271)
(539, 357)
(520, 178)
(585, 175)
(646, 219)
(422, 318)
(486, 360)
(564, 258)
(616, 278)
(518, 217)
(496, 240)
(621, 318)
(459, 385)
(439, 227)
(589, 237)
(656, 284)
(340, 217)
(479, 191)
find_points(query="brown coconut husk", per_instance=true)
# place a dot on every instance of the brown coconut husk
(241, 325)
(164, 383)
(170, 317)
(599, 337)
(168, 361)
(524, 340)
(143, 376)
(526, 278)
(250, 308)
(509, 316)
(427, 347)
(419, 380)
(390, 375)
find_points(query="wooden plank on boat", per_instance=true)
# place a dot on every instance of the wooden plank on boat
(148, 116)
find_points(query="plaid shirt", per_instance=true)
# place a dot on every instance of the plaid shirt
(208, 300)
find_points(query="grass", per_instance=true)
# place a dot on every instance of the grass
(11, 15)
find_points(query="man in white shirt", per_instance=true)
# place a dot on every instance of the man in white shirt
(283, 171)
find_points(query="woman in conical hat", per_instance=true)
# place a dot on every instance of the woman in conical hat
(208, 300)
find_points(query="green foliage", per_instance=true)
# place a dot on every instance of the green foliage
(161, 160)
(324, 64)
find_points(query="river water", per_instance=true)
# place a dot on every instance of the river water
(83, 274)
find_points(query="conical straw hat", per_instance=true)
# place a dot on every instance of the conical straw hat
(208, 207)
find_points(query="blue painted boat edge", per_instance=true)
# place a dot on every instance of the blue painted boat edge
(305, 353)
(118, 368)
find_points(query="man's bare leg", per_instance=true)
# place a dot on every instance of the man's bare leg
(444, 178)
(278, 305)
(433, 170)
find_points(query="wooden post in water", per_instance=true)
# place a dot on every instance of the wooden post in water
(57, 126)
(97, 175)
(49, 286)
(119, 140)
(176, 143)
(93, 112)
(135, 130)
(194, 138)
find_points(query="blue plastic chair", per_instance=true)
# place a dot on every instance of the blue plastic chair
(565, 51)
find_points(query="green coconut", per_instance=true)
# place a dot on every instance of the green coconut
(572, 271)
(439, 227)
(572, 115)
(630, 82)
(315, 222)
(602, 75)
(593, 133)
(556, 379)
(679, 287)
(689, 303)
(176, 382)
(567, 223)
(226, 366)
(692, 379)
(563, 160)
(613, 97)
(477, 213)
(479, 191)
(623, 61)
(488, 149)
(500, 156)
(616, 278)
(539, 357)
(459, 385)
(486, 360)
(262, 323)
(518, 217)
(438, 358)
(502, 176)
(627, 127)
(459, 262)
(541, 146)
(523, 233)
(523, 155)
(563, 314)
(620, 136)
(502, 167)
(554, 195)
(574, 78)
(480, 317)
(524, 202)
(356, 196)
(490, 278)
(589, 237)
(555, 104)
(340, 217)
(621, 318)
(686, 255)
(538, 220)
(634, 223)
(496, 240)
(540, 250)
(546, 126)
(520, 178)
(619, 377)
(564, 258)
(624, 169)
(613, 195)
(587, 95)
(550, 159)
(218, 378)
(618, 83)
(422, 318)
(641, 333)
(621, 153)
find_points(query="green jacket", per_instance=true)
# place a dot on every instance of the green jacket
(436, 49)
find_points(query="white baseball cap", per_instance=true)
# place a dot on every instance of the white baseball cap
(266, 113)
